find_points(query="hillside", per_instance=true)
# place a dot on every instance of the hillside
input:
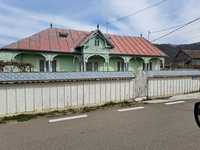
(171, 50)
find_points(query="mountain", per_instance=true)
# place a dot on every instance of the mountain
(171, 50)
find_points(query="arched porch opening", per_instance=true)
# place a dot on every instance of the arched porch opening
(36, 60)
(136, 64)
(116, 63)
(155, 64)
(95, 63)
(65, 63)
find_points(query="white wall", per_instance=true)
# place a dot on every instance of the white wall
(38, 97)
(170, 86)
(156, 65)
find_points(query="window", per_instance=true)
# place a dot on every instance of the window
(161, 64)
(93, 66)
(150, 66)
(143, 66)
(54, 64)
(120, 66)
(42, 65)
(96, 41)
(63, 34)
(127, 67)
(89, 66)
(47, 66)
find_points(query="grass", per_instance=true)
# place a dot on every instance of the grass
(27, 117)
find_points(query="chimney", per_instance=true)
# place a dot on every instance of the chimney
(141, 35)
(97, 26)
(51, 25)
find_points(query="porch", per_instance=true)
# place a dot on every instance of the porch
(45, 62)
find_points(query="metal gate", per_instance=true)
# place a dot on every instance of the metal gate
(141, 85)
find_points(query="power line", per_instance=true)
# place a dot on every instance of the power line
(179, 28)
(136, 12)
(162, 30)
(166, 29)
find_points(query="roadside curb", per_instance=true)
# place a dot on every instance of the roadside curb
(156, 101)
(186, 97)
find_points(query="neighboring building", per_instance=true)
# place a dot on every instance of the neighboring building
(171, 51)
(187, 59)
(59, 50)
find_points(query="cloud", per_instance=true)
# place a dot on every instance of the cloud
(18, 22)
(168, 14)
(139, 23)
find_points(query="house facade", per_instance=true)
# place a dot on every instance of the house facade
(187, 59)
(62, 50)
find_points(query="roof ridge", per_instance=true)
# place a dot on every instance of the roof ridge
(68, 30)
(69, 43)
(87, 31)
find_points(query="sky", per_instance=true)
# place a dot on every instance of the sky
(22, 18)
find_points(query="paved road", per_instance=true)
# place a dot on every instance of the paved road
(156, 127)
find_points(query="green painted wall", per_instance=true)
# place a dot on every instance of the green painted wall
(90, 48)
(155, 63)
(7, 56)
(67, 63)
(101, 62)
(33, 59)
(113, 63)
(135, 65)
(91, 43)
(90, 53)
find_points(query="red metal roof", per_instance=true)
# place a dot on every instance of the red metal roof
(49, 40)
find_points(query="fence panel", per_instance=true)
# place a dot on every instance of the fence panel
(170, 86)
(20, 98)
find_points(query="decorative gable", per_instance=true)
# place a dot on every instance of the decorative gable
(96, 41)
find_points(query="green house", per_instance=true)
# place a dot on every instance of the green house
(66, 50)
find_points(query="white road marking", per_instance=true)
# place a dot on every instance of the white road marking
(68, 118)
(130, 109)
(177, 102)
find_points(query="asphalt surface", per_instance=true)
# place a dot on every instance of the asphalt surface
(156, 127)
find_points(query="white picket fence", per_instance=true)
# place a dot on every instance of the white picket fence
(39, 97)
(162, 84)
(171, 86)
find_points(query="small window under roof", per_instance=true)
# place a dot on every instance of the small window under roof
(63, 34)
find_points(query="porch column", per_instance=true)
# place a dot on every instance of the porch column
(163, 63)
(85, 63)
(48, 61)
(126, 63)
(84, 66)
(45, 69)
(146, 67)
(106, 65)
(127, 67)
(50, 66)
(146, 62)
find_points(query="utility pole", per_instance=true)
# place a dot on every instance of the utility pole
(107, 23)
(51, 25)
(97, 26)
(149, 33)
